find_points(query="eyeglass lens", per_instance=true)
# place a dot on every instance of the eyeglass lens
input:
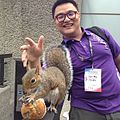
(70, 14)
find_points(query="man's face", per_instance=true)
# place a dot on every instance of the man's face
(67, 19)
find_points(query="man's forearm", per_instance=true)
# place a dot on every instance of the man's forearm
(34, 64)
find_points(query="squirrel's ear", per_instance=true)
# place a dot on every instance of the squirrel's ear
(37, 73)
(37, 70)
(28, 66)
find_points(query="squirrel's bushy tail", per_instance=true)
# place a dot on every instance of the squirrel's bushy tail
(59, 56)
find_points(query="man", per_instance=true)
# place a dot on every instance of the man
(95, 91)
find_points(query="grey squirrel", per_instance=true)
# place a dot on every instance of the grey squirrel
(52, 82)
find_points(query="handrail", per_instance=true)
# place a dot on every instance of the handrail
(2, 57)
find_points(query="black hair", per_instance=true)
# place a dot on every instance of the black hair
(60, 2)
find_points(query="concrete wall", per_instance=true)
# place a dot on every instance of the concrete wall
(20, 19)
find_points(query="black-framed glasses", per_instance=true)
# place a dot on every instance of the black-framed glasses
(62, 16)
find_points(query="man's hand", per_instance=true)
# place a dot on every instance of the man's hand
(31, 51)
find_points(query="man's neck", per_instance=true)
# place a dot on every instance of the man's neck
(77, 36)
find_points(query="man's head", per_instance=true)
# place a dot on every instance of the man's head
(60, 2)
(67, 18)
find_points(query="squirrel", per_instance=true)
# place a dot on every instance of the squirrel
(53, 81)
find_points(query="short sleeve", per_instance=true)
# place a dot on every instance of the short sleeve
(113, 44)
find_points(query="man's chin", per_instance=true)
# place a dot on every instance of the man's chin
(68, 33)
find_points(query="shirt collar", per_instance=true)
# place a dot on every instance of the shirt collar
(85, 32)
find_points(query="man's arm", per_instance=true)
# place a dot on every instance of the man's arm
(117, 62)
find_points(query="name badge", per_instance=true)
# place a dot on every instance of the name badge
(92, 80)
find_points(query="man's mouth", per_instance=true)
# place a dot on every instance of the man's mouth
(68, 25)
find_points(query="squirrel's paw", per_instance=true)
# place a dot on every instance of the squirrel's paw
(52, 108)
(27, 99)
(24, 99)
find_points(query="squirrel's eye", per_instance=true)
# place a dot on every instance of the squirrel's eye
(33, 81)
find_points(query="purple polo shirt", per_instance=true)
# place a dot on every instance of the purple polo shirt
(108, 100)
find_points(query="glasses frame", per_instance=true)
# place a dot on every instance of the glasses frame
(66, 14)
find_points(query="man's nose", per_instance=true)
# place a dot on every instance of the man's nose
(67, 18)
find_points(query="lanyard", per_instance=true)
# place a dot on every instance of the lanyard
(90, 49)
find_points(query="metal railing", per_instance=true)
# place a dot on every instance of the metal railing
(2, 63)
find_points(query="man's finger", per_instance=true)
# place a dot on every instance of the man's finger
(40, 41)
(29, 41)
(24, 58)
(25, 63)
(24, 47)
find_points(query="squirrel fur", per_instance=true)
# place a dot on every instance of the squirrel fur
(52, 82)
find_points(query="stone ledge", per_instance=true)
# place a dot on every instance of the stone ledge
(4, 88)
(5, 107)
